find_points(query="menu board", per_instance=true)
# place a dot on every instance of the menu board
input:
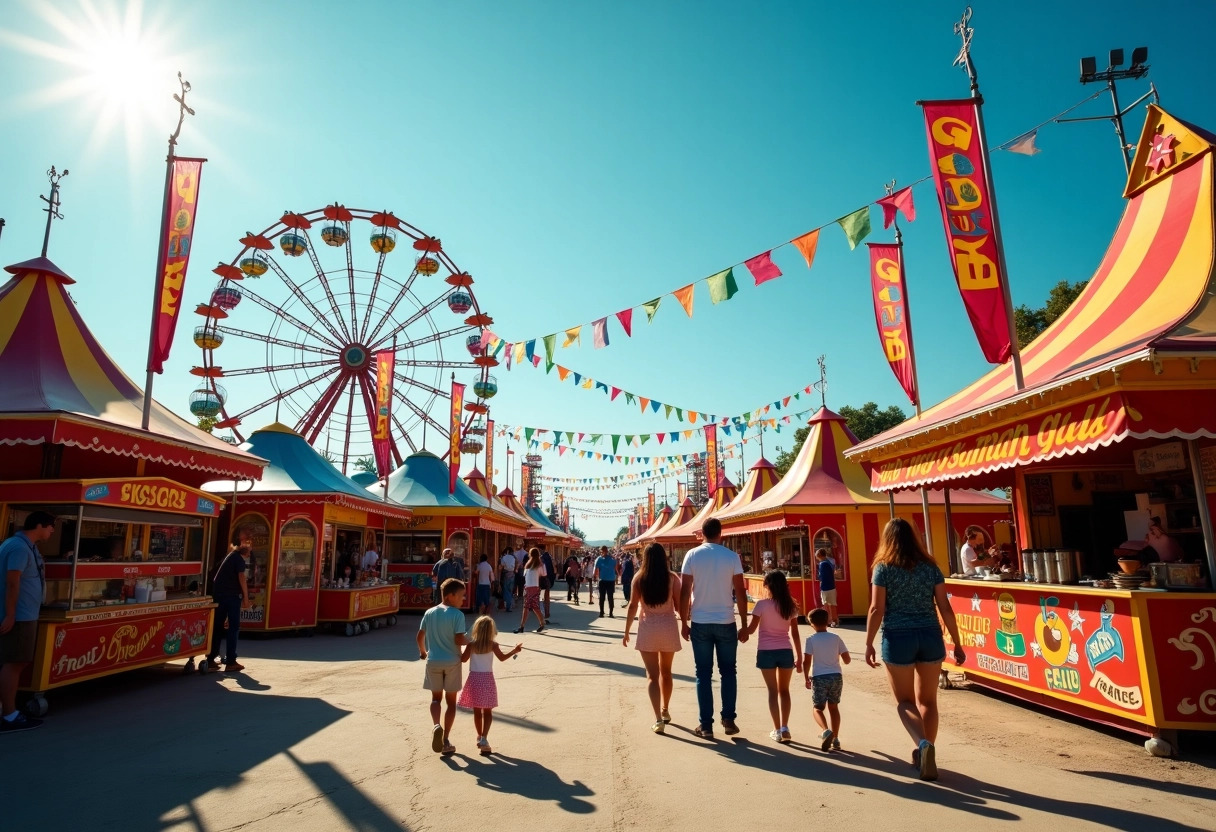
(167, 543)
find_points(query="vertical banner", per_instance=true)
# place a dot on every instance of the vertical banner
(680, 493)
(565, 516)
(711, 459)
(381, 444)
(964, 193)
(454, 436)
(525, 484)
(181, 198)
(633, 525)
(891, 312)
(650, 509)
(490, 455)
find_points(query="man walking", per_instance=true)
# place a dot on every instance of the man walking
(627, 576)
(521, 557)
(607, 568)
(711, 572)
(444, 568)
(20, 603)
(506, 567)
(230, 589)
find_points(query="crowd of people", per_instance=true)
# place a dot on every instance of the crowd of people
(698, 605)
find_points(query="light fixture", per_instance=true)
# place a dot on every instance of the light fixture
(1139, 56)
(1088, 67)
(1116, 58)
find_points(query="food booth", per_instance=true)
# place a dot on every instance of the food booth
(125, 584)
(462, 520)
(825, 502)
(305, 522)
(1107, 612)
(662, 532)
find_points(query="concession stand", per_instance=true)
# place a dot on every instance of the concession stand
(1108, 449)
(306, 522)
(463, 520)
(125, 583)
(825, 502)
(662, 531)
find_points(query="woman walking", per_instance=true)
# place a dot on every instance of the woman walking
(532, 569)
(779, 652)
(909, 592)
(656, 589)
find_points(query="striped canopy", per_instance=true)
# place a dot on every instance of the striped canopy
(677, 518)
(478, 482)
(690, 532)
(760, 480)
(60, 386)
(645, 537)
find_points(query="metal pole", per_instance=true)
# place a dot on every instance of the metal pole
(950, 550)
(1114, 97)
(1205, 516)
(924, 505)
(891, 503)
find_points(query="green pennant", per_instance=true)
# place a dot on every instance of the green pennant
(651, 306)
(667, 414)
(595, 438)
(680, 414)
(722, 286)
(616, 439)
(628, 439)
(549, 365)
(628, 398)
(570, 437)
(645, 437)
(528, 434)
(550, 343)
(856, 226)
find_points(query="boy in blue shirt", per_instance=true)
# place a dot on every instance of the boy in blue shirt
(441, 635)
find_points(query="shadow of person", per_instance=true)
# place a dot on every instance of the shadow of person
(359, 810)
(510, 775)
(616, 667)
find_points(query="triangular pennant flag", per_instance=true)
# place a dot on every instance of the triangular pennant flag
(600, 384)
(616, 391)
(651, 306)
(680, 414)
(588, 382)
(1023, 145)
(654, 406)
(856, 226)
(580, 437)
(595, 438)
(521, 349)
(762, 267)
(688, 434)
(528, 434)
(726, 430)
(660, 437)
(722, 286)
(645, 437)
(666, 411)
(628, 398)
(599, 331)
(685, 297)
(628, 439)
(561, 449)
(900, 201)
(807, 244)
(549, 365)
(569, 436)
(692, 416)
(573, 334)
(625, 316)
(510, 352)
(577, 377)
(536, 361)
(645, 401)
(546, 445)
(530, 349)
(549, 342)
(562, 372)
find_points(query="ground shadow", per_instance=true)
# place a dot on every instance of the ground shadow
(510, 775)
(360, 811)
(518, 721)
(1185, 789)
(618, 667)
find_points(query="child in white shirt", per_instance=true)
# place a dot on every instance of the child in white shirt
(821, 667)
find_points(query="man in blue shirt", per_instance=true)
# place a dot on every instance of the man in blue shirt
(825, 570)
(24, 587)
(606, 569)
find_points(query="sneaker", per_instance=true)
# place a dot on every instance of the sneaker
(774, 735)
(928, 761)
(666, 716)
(437, 738)
(610, 615)
(601, 615)
(785, 736)
(211, 665)
(703, 733)
(21, 723)
(657, 727)
(448, 749)
(827, 738)
(233, 667)
(729, 727)
(835, 744)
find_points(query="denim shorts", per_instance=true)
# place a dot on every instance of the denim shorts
(920, 645)
(772, 659)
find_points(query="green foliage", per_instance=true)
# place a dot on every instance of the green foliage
(207, 423)
(864, 421)
(1030, 323)
(366, 463)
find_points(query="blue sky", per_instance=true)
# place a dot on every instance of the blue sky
(581, 158)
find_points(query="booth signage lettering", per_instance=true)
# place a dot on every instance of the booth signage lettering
(376, 600)
(154, 495)
(1042, 437)
(79, 651)
(1037, 641)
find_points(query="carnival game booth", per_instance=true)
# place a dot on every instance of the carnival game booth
(1114, 427)
(125, 569)
(679, 539)
(464, 521)
(825, 502)
(305, 522)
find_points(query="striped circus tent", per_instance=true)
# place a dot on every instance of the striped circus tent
(678, 518)
(647, 536)
(680, 539)
(760, 480)
(60, 387)
(505, 500)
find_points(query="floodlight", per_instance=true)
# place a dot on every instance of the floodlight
(1116, 58)
(1139, 56)
(1088, 67)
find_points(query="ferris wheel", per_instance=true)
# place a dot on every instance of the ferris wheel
(294, 333)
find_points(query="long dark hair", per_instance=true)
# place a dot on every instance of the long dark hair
(779, 590)
(655, 576)
(533, 559)
(900, 546)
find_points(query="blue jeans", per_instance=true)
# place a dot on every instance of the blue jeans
(508, 590)
(724, 639)
(228, 608)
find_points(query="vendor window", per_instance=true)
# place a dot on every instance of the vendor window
(831, 540)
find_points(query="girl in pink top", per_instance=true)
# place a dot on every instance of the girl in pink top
(779, 652)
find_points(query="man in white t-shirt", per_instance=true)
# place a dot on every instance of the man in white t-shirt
(371, 558)
(506, 567)
(711, 574)
(973, 550)
(485, 577)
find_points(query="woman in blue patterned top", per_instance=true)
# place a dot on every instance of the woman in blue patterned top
(909, 592)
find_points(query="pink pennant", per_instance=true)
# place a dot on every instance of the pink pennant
(600, 330)
(616, 391)
(535, 360)
(626, 318)
(900, 201)
(486, 337)
(762, 267)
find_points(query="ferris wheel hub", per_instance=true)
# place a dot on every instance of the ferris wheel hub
(356, 356)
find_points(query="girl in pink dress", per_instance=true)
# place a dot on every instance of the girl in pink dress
(779, 652)
(656, 589)
(480, 692)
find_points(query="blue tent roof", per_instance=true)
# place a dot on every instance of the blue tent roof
(422, 482)
(365, 478)
(543, 519)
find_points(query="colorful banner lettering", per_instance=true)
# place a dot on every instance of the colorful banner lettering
(490, 454)
(650, 509)
(958, 159)
(382, 434)
(181, 198)
(711, 458)
(525, 485)
(891, 312)
(454, 436)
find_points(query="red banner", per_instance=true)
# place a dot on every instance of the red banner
(181, 197)
(565, 517)
(490, 455)
(454, 436)
(382, 433)
(650, 509)
(711, 458)
(958, 157)
(891, 312)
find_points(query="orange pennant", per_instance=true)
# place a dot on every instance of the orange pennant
(692, 416)
(562, 372)
(645, 402)
(807, 244)
(684, 296)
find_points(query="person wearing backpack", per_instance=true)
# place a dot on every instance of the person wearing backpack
(446, 567)
(230, 589)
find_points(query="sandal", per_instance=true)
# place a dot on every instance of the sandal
(666, 717)
(785, 736)
(657, 727)
(485, 750)
(448, 749)
(703, 733)
(437, 738)
(541, 628)
(520, 630)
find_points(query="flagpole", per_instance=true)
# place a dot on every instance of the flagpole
(164, 244)
(964, 31)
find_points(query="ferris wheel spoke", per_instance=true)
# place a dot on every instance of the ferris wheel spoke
(401, 429)
(350, 276)
(271, 368)
(318, 414)
(287, 316)
(432, 338)
(269, 339)
(350, 409)
(324, 280)
(392, 307)
(455, 365)
(421, 414)
(419, 384)
(285, 393)
(421, 313)
(371, 303)
(304, 299)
